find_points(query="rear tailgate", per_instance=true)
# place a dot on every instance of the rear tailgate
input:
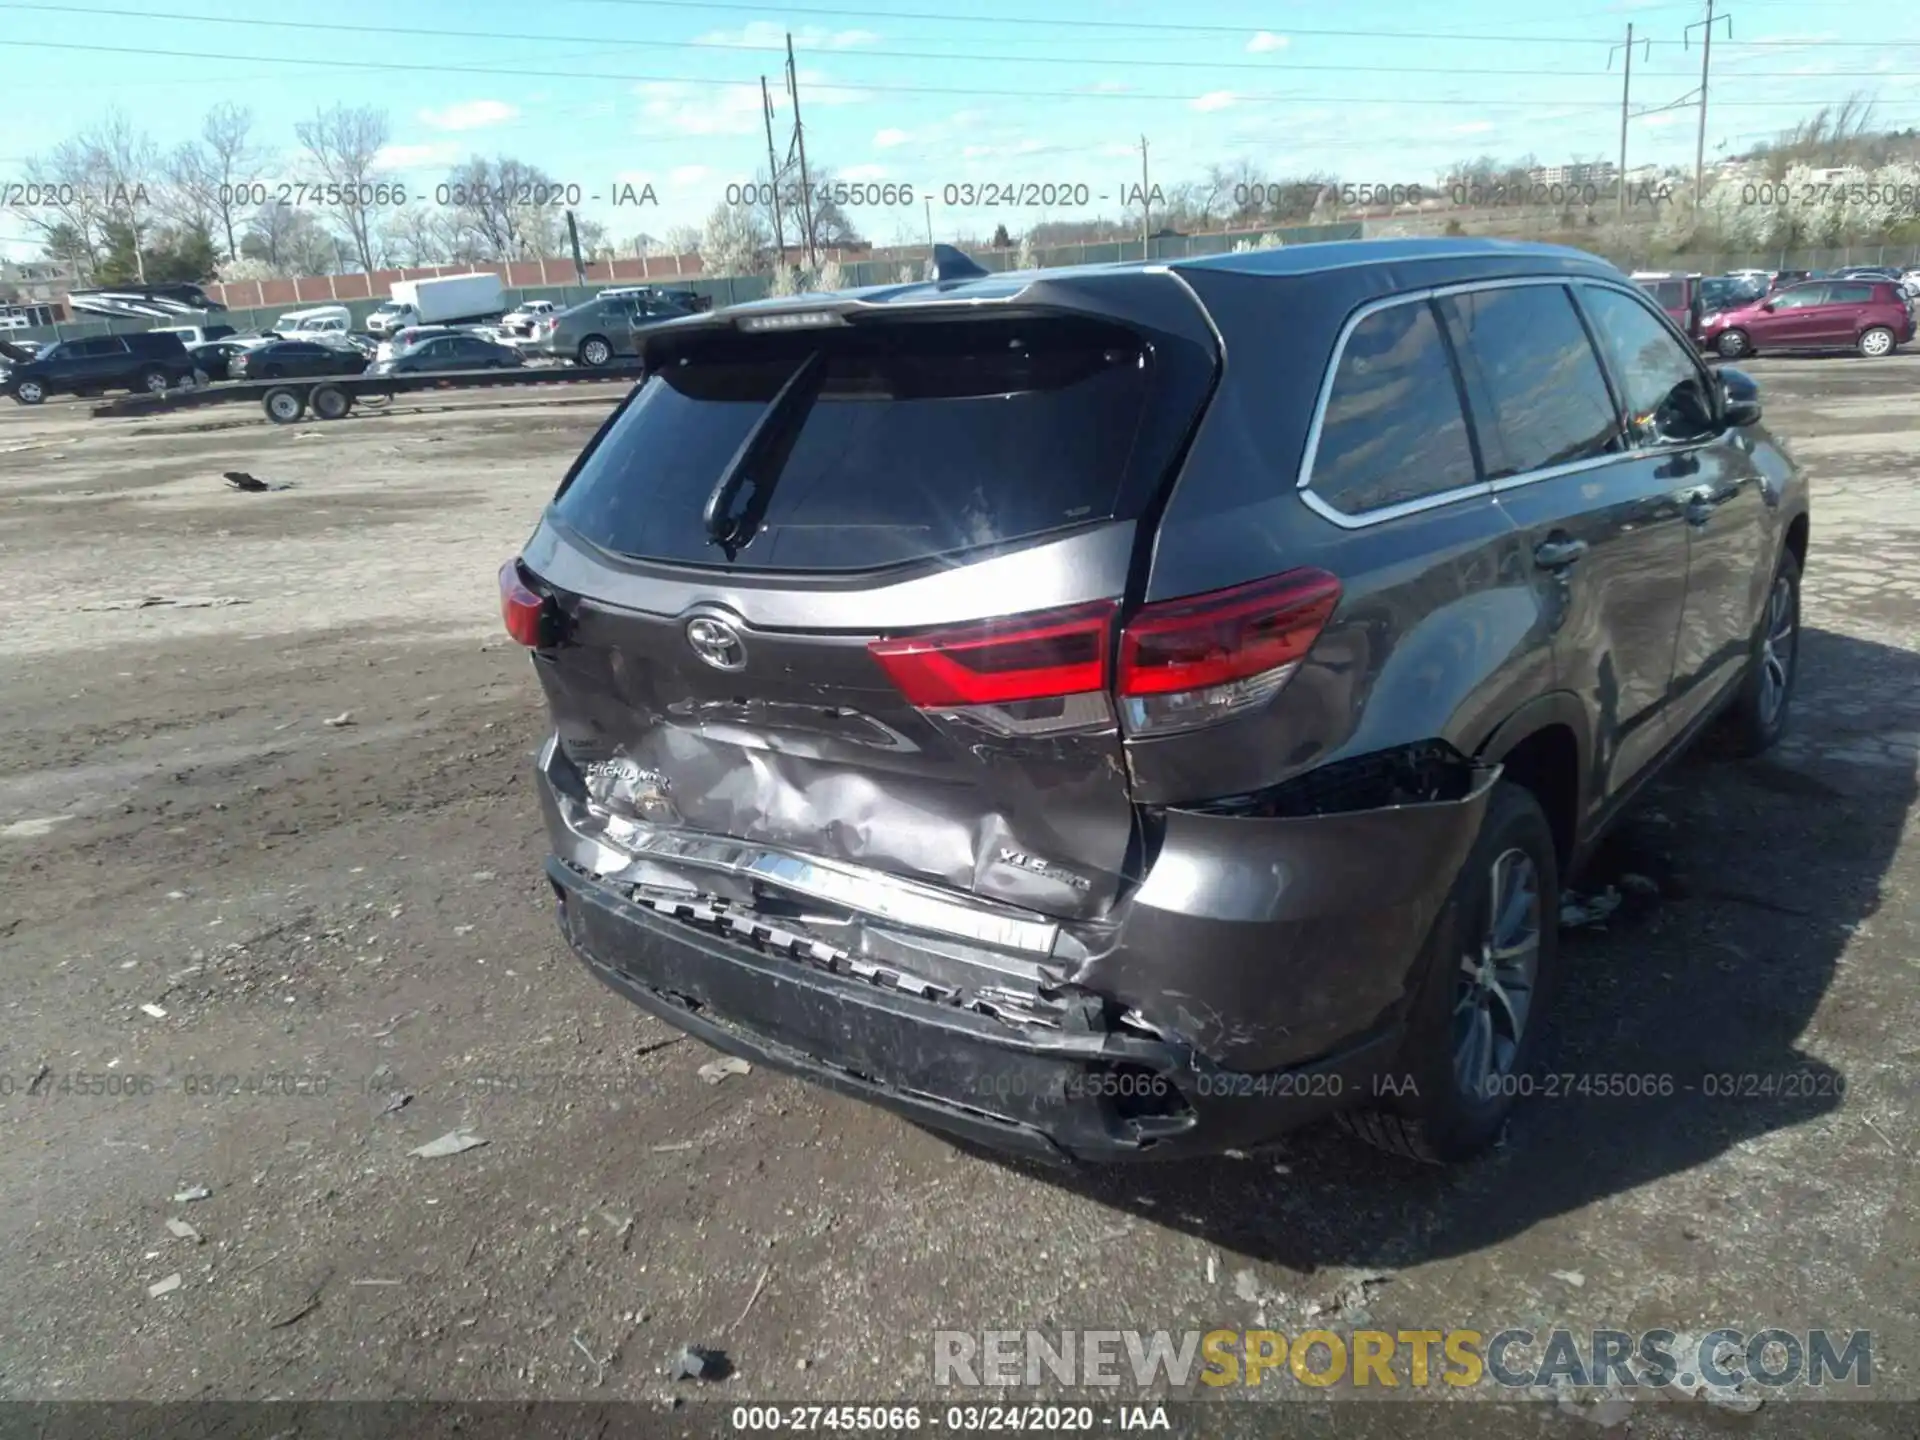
(836, 654)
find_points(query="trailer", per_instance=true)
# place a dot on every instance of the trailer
(332, 397)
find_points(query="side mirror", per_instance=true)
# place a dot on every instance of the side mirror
(1742, 397)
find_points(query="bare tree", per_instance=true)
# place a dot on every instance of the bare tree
(344, 144)
(734, 242)
(232, 165)
(108, 176)
(417, 235)
(290, 240)
(506, 208)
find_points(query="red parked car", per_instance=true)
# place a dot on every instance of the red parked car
(1871, 316)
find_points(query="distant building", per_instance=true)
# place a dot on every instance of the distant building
(39, 282)
(1599, 174)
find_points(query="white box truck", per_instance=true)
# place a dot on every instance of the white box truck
(443, 300)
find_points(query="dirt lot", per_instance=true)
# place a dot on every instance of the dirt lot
(354, 912)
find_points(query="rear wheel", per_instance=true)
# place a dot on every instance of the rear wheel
(1489, 969)
(595, 351)
(1758, 716)
(1732, 344)
(154, 382)
(330, 402)
(1877, 341)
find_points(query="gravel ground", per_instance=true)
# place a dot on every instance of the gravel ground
(213, 886)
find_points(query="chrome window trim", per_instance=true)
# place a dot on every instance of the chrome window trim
(1381, 514)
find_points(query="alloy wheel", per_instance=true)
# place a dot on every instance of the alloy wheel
(1876, 343)
(1777, 649)
(1494, 991)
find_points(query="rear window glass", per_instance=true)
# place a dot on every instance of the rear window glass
(1671, 294)
(1860, 293)
(923, 439)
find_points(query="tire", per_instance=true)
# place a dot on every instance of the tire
(29, 392)
(330, 402)
(1758, 716)
(154, 382)
(1732, 344)
(1441, 1118)
(595, 351)
(1877, 342)
(284, 406)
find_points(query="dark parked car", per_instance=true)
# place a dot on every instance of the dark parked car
(151, 362)
(1871, 316)
(449, 352)
(293, 359)
(986, 699)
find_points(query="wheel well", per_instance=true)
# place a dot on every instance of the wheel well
(1547, 763)
(1797, 539)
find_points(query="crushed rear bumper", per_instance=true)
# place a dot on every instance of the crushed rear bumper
(1051, 1095)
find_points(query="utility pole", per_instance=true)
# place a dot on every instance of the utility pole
(929, 228)
(800, 142)
(1706, 60)
(773, 173)
(1626, 90)
(1146, 206)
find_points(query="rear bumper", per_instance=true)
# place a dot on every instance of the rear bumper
(1057, 1096)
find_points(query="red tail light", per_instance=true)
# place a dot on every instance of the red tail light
(1182, 663)
(1023, 657)
(1195, 661)
(524, 612)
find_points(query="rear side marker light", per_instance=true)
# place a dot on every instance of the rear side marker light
(1039, 656)
(1206, 658)
(525, 613)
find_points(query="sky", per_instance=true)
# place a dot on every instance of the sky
(606, 94)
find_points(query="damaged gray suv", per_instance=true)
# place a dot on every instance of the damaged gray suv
(1134, 710)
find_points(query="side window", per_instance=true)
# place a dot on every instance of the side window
(1671, 294)
(1393, 430)
(1849, 294)
(1531, 369)
(1800, 297)
(1647, 361)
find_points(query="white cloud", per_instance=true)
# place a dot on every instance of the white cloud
(468, 115)
(770, 35)
(1475, 127)
(862, 172)
(889, 138)
(689, 174)
(1661, 121)
(701, 109)
(432, 155)
(1212, 100)
(1266, 42)
(1115, 150)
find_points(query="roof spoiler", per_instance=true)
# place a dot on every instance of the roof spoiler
(952, 264)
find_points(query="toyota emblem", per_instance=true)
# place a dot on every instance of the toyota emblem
(717, 643)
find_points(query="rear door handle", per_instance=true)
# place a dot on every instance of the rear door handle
(1557, 554)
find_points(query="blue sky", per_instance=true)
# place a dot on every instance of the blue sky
(666, 92)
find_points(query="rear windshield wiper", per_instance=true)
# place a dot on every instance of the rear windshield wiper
(760, 459)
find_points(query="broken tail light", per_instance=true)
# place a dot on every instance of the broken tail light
(528, 616)
(1205, 658)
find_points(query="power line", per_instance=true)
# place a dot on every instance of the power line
(851, 53)
(969, 91)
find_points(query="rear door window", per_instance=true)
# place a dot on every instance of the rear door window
(922, 439)
(1800, 297)
(1392, 430)
(1854, 294)
(1539, 395)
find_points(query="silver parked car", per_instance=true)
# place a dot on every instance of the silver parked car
(604, 327)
